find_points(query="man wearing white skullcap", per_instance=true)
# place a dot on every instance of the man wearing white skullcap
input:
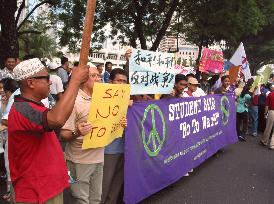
(37, 165)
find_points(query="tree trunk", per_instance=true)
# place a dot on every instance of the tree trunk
(9, 40)
(138, 23)
(165, 25)
(199, 54)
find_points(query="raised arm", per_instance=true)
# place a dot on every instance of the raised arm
(59, 114)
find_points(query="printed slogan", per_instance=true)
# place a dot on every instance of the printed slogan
(165, 139)
(108, 108)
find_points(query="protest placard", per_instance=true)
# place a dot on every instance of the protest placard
(256, 83)
(152, 72)
(266, 75)
(212, 61)
(261, 78)
(108, 108)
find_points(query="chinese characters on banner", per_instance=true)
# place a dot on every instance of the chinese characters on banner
(211, 61)
(152, 72)
(108, 107)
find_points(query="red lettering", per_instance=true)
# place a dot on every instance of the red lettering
(115, 127)
(116, 93)
(117, 107)
(93, 128)
(102, 134)
(102, 115)
(109, 94)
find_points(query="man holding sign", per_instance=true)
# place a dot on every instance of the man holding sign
(85, 166)
(37, 166)
(113, 178)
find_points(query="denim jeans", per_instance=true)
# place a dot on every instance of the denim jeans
(242, 123)
(253, 111)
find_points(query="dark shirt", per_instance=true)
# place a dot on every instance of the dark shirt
(206, 86)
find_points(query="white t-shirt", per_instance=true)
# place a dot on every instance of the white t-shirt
(56, 86)
(198, 93)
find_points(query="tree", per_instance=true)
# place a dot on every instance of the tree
(131, 21)
(41, 43)
(9, 30)
(260, 47)
(8, 39)
(207, 21)
(42, 46)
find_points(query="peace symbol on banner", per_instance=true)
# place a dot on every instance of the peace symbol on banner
(225, 109)
(152, 139)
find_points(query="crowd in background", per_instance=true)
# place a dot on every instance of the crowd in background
(96, 175)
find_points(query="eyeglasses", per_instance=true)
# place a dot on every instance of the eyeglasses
(41, 77)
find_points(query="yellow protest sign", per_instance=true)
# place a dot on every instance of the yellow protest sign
(256, 82)
(261, 79)
(108, 107)
(266, 74)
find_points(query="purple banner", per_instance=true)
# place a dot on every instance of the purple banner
(167, 138)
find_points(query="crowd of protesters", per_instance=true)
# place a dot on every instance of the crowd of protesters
(43, 105)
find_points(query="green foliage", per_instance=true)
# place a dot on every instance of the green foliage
(42, 46)
(260, 47)
(40, 43)
(205, 22)
(202, 23)
(208, 21)
(131, 21)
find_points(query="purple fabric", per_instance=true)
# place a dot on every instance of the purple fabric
(156, 159)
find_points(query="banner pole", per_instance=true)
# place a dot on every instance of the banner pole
(88, 26)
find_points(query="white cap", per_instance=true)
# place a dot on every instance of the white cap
(53, 66)
(27, 69)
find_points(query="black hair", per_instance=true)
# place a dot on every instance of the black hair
(44, 63)
(180, 77)
(107, 63)
(250, 82)
(99, 65)
(64, 60)
(225, 77)
(75, 64)
(116, 71)
(10, 56)
(190, 75)
(10, 85)
(245, 91)
(3, 81)
(27, 57)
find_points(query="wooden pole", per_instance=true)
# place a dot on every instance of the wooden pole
(88, 25)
